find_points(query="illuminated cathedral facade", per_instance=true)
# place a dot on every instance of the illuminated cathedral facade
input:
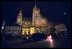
(38, 23)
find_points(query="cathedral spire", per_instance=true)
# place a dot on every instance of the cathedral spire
(20, 12)
(35, 6)
(19, 17)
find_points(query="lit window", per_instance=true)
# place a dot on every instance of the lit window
(32, 30)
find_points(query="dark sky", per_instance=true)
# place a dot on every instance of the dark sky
(56, 11)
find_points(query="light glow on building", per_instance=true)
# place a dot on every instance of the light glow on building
(32, 30)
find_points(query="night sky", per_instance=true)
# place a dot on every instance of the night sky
(56, 11)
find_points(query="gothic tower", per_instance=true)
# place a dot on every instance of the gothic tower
(19, 18)
(35, 15)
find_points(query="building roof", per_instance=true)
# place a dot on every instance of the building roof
(12, 25)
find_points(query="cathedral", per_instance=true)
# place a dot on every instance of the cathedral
(38, 23)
